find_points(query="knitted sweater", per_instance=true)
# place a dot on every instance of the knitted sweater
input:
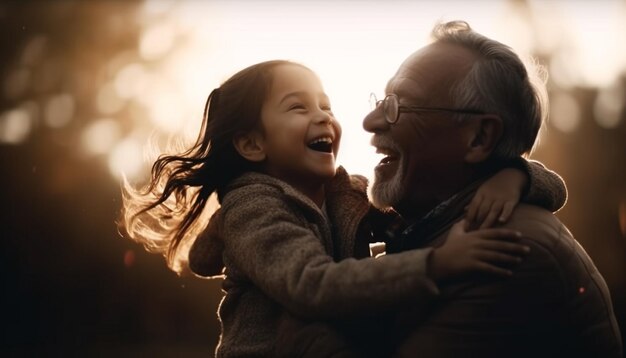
(278, 254)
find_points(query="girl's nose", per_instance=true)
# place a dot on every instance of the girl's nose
(323, 117)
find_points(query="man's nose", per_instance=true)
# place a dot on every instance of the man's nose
(375, 121)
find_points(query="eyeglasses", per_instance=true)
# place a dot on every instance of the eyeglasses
(392, 108)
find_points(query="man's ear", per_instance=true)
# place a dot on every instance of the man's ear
(485, 134)
(250, 146)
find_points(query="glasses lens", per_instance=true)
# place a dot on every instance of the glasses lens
(390, 107)
(373, 101)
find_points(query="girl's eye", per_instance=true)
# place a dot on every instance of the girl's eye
(297, 106)
(326, 108)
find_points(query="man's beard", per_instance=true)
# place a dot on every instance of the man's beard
(387, 193)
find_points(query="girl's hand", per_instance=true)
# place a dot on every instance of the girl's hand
(495, 199)
(491, 251)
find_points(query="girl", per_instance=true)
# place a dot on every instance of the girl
(267, 149)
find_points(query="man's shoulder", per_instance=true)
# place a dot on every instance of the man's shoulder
(541, 227)
(526, 213)
(554, 252)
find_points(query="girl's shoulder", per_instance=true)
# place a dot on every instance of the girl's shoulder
(253, 187)
(251, 184)
(343, 181)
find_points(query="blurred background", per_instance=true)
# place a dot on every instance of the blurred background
(85, 84)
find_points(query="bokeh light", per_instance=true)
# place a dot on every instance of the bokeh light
(108, 100)
(15, 126)
(131, 81)
(565, 114)
(101, 136)
(127, 158)
(34, 50)
(609, 105)
(59, 110)
(156, 41)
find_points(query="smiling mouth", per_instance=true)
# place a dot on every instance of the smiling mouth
(323, 144)
(389, 156)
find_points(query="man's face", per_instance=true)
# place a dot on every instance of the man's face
(423, 151)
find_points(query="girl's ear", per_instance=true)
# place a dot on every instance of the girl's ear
(250, 146)
(485, 134)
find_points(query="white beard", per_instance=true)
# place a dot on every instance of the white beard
(386, 194)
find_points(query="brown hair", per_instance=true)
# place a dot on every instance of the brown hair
(167, 210)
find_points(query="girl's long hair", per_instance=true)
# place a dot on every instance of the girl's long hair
(169, 212)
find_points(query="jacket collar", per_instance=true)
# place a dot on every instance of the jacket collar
(424, 231)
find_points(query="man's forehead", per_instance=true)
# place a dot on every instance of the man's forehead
(405, 86)
(432, 68)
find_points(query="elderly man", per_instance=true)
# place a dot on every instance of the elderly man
(453, 112)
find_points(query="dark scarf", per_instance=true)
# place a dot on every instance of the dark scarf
(422, 232)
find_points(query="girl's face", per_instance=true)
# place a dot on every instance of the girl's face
(301, 136)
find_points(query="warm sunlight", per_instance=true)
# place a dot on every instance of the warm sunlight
(93, 92)
(354, 47)
(189, 48)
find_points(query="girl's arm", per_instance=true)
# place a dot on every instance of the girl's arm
(545, 187)
(266, 242)
(526, 179)
(477, 251)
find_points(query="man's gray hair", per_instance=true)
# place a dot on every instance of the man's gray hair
(499, 83)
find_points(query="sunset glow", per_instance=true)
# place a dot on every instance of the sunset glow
(355, 48)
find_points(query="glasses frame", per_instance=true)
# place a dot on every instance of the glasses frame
(414, 109)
